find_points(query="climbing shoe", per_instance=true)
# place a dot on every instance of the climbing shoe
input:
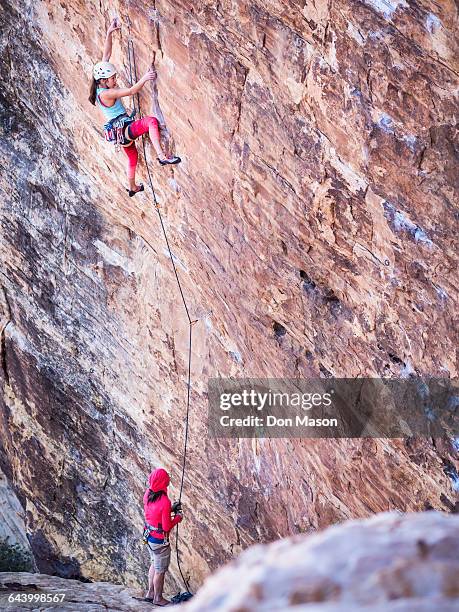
(169, 160)
(132, 193)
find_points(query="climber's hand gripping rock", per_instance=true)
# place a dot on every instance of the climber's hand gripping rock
(115, 25)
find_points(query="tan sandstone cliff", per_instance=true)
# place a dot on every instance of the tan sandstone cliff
(314, 225)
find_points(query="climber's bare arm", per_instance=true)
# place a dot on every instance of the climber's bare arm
(109, 95)
(108, 40)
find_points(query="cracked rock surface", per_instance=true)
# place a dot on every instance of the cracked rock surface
(314, 227)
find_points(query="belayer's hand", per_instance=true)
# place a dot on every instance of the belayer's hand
(176, 507)
(150, 75)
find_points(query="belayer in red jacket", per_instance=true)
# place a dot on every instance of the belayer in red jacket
(158, 523)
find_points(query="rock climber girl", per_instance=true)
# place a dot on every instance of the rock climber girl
(107, 95)
(158, 523)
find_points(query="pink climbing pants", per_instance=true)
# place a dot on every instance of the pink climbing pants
(136, 129)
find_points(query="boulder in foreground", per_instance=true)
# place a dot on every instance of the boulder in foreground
(388, 562)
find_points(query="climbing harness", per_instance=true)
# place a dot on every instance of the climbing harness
(133, 76)
(147, 532)
(176, 508)
(115, 129)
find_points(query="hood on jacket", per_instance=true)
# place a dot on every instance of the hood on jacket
(159, 480)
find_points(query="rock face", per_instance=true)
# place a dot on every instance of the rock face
(385, 563)
(313, 225)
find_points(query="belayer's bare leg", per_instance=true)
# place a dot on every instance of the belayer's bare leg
(151, 582)
(159, 584)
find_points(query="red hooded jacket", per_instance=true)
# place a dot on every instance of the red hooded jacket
(158, 513)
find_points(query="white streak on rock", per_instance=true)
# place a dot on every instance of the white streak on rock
(355, 34)
(354, 181)
(386, 123)
(387, 7)
(176, 260)
(296, 89)
(432, 23)
(114, 258)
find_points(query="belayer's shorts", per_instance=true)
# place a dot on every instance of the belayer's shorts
(160, 555)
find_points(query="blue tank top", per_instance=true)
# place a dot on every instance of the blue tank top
(110, 112)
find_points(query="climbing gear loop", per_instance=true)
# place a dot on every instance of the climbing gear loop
(116, 130)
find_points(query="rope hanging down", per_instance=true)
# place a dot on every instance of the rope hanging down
(133, 75)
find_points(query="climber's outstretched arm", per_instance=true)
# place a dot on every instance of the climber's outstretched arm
(117, 92)
(108, 40)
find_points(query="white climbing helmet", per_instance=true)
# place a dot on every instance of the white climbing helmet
(104, 70)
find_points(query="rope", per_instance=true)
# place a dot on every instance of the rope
(133, 73)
